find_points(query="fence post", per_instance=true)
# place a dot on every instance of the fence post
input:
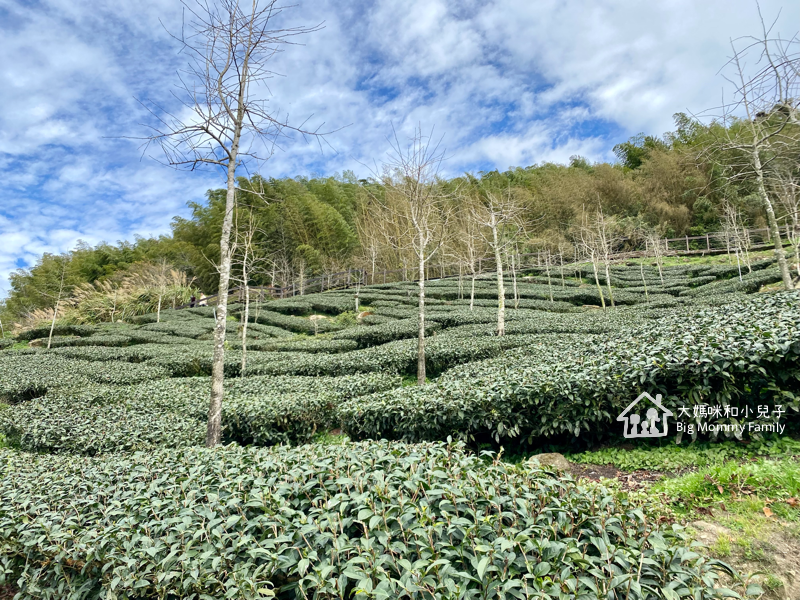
(687, 243)
(708, 243)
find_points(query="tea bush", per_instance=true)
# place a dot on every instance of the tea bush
(388, 332)
(304, 344)
(44, 331)
(98, 419)
(288, 322)
(568, 385)
(380, 520)
(27, 376)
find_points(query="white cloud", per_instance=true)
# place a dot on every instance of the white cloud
(508, 82)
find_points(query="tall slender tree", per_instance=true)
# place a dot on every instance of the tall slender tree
(417, 200)
(225, 121)
(499, 214)
(761, 124)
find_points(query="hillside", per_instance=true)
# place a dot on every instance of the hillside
(338, 478)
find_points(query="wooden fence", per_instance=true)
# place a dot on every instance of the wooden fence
(709, 243)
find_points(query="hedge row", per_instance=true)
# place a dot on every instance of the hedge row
(44, 331)
(256, 410)
(303, 344)
(262, 314)
(23, 376)
(746, 355)
(750, 283)
(374, 335)
(370, 521)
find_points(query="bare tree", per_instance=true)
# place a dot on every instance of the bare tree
(418, 201)
(769, 127)
(57, 295)
(599, 238)
(607, 239)
(370, 222)
(654, 243)
(246, 257)
(225, 121)
(736, 235)
(160, 276)
(587, 240)
(467, 245)
(547, 259)
(785, 183)
(497, 212)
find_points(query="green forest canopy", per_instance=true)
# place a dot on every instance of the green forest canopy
(675, 183)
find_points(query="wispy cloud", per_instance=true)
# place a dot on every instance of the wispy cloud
(507, 82)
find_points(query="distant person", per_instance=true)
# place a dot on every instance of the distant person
(202, 300)
(192, 301)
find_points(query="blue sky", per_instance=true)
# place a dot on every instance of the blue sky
(506, 82)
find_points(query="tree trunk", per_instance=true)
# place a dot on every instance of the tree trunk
(245, 321)
(514, 280)
(608, 284)
(775, 233)
(214, 428)
(58, 301)
(421, 335)
(644, 281)
(501, 291)
(472, 292)
(797, 255)
(53, 322)
(597, 282)
(114, 306)
(547, 268)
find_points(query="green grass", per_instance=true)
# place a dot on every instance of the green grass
(673, 457)
(330, 439)
(742, 488)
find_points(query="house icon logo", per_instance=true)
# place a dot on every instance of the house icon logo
(654, 413)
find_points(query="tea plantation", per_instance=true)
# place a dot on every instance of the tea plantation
(108, 493)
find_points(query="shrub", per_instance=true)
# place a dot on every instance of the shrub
(305, 344)
(290, 323)
(374, 521)
(23, 377)
(97, 419)
(65, 425)
(572, 385)
(95, 340)
(398, 357)
(388, 332)
(376, 319)
(44, 331)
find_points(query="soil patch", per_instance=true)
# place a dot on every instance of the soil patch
(630, 480)
(774, 551)
(7, 592)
